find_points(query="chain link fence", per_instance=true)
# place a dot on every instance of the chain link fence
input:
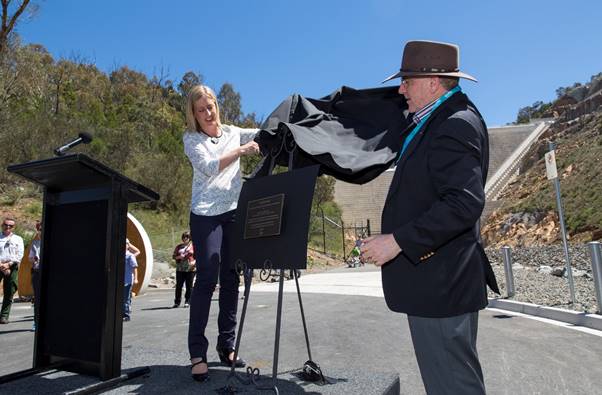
(333, 237)
(330, 236)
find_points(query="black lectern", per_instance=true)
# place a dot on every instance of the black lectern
(83, 238)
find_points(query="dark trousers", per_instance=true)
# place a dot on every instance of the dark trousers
(127, 300)
(9, 283)
(181, 279)
(35, 283)
(211, 242)
(446, 351)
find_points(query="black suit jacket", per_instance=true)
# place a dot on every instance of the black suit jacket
(432, 209)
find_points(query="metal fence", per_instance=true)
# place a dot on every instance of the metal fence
(333, 237)
(327, 235)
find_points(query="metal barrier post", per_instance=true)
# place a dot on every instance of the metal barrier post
(323, 230)
(596, 255)
(343, 235)
(507, 256)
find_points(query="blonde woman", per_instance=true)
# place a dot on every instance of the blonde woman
(214, 151)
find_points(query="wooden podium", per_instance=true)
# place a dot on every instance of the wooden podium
(83, 237)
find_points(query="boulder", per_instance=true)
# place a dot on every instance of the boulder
(580, 273)
(545, 269)
(558, 271)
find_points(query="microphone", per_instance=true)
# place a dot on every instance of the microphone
(84, 138)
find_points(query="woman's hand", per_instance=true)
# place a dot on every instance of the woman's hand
(249, 148)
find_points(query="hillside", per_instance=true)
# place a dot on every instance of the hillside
(528, 215)
(137, 121)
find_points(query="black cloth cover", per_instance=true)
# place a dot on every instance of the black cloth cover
(353, 134)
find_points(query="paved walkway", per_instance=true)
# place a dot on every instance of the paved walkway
(351, 331)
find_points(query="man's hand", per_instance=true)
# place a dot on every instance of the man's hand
(379, 249)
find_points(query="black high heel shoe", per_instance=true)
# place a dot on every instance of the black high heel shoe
(224, 357)
(200, 377)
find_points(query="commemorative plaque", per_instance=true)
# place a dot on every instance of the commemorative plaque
(273, 220)
(264, 216)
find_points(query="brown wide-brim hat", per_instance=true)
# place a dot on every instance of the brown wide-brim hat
(430, 58)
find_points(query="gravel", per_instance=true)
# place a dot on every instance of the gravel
(536, 276)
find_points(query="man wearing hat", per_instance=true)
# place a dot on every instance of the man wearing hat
(434, 267)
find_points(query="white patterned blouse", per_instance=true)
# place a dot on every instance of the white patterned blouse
(215, 192)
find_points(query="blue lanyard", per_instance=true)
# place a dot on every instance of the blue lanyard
(425, 118)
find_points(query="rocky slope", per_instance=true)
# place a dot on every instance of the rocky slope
(528, 218)
(528, 215)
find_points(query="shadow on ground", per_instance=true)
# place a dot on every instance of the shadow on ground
(162, 379)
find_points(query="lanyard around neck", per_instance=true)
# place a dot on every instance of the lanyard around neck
(413, 133)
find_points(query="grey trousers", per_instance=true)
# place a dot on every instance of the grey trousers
(446, 351)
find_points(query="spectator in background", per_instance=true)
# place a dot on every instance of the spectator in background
(131, 278)
(34, 259)
(185, 269)
(131, 248)
(11, 252)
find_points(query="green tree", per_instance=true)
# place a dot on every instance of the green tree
(11, 13)
(560, 92)
(189, 80)
(324, 191)
(229, 104)
(535, 110)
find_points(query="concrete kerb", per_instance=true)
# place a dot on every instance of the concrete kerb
(592, 321)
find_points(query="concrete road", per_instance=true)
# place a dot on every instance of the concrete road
(351, 332)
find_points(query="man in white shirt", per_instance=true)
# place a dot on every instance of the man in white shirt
(11, 252)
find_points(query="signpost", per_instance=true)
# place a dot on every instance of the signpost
(552, 174)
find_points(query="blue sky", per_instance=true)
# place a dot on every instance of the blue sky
(520, 51)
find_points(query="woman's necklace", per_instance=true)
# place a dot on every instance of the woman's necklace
(215, 139)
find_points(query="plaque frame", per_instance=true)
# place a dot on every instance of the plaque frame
(288, 249)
